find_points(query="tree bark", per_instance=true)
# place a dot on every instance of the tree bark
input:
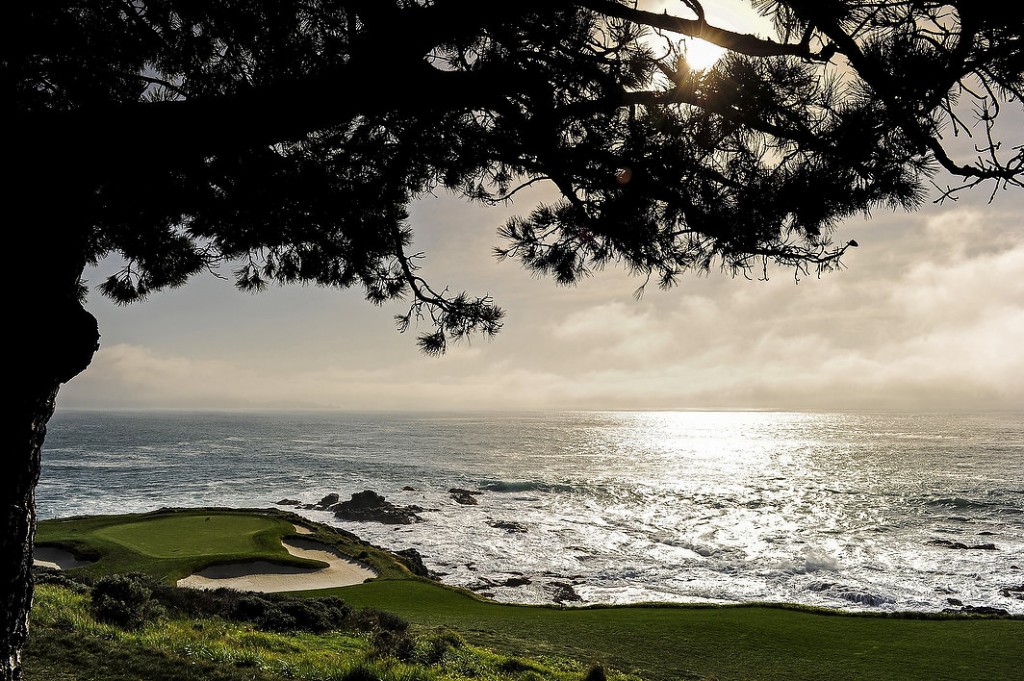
(31, 412)
(50, 339)
(60, 344)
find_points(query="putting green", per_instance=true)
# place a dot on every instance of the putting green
(192, 536)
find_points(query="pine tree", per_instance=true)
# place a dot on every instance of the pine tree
(286, 141)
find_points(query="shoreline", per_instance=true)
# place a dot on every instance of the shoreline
(269, 577)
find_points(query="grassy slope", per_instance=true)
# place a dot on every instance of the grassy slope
(661, 642)
(748, 642)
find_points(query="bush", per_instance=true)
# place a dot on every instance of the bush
(57, 578)
(596, 673)
(439, 645)
(125, 600)
(396, 644)
(270, 612)
(370, 619)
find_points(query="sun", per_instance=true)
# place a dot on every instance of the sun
(700, 54)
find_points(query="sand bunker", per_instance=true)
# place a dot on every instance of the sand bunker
(58, 559)
(302, 529)
(266, 577)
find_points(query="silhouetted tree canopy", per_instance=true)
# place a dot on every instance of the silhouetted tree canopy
(285, 141)
(289, 138)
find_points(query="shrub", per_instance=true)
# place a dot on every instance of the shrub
(125, 600)
(439, 645)
(396, 644)
(596, 673)
(370, 619)
(57, 578)
(361, 672)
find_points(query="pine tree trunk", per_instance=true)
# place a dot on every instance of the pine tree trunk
(54, 341)
(19, 517)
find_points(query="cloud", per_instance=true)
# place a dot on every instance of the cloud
(929, 315)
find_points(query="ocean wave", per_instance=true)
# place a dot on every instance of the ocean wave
(961, 502)
(813, 562)
(851, 594)
(524, 486)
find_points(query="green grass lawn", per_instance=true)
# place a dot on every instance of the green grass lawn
(658, 642)
(197, 535)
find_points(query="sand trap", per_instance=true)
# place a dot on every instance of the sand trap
(266, 577)
(58, 559)
(302, 529)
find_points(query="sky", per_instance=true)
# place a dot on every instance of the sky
(928, 315)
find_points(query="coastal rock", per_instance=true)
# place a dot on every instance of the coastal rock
(408, 489)
(368, 506)
(978, 610)
(459, 490)
(331, 498)
(509, 526)
(961, 546)
(288, 502)
(564, 592)
(465, 498)
(1014, 592)
(512, 582)
(414, 561)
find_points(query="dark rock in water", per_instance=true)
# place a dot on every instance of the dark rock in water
(331, 498)
(961, 546)
(865, 598)
(414, 561)
(408, 489)
(465, 498)
(955, 601)
(459, 490)
(986, 533)
(516, 581)
(369, 506)
(564, 593)
(288, 502)
(1014, 592)
(978, 610)
(509, 526)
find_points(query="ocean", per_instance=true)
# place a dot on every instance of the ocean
(856, 511)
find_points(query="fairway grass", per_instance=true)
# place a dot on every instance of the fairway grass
(650, 641)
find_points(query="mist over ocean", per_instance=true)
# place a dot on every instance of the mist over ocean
(853, 511)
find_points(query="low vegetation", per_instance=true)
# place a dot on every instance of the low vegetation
(74, 636)
(89, 624)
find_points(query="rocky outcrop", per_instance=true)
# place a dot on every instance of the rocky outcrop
(511, 582)
(979, 610)
(563, 592)
(414, 561)
(1014, 592)
(368, 506)
(288, 502)
(958, 545)
(328, 500)
(509, 526)
(466, 497)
